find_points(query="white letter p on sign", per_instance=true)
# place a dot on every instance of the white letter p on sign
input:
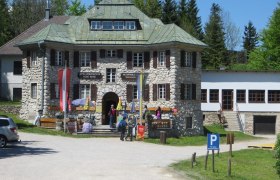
(213, 138)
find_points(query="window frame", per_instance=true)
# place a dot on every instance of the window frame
(214, 95)
(111, 75)
(137, 59)
(85, 59)
(34, 90)
(273, 98)
(256, 96)
(34, 58)
(189, 125)
(116, 25)
(59, 58)
(130, 25)
(188, 59)
(107, 27)
(161, 90)
(96, 26)
(204, 95)
(188, 92)
(162, 59)
(111, 53)
(84, 91)
(241, 96)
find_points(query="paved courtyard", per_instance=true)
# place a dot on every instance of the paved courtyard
(52, 157)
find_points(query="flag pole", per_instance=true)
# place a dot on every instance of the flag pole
(141, 89)
(65, 101)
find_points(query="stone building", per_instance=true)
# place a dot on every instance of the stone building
(106, 48)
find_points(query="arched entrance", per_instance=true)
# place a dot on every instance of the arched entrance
(108, 99)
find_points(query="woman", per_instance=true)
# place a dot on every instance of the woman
(158, 113)
(145, 110)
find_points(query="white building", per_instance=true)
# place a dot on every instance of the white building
(249, 101)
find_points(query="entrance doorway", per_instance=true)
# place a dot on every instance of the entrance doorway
(227, 102)
(108, 99)
(264, 124)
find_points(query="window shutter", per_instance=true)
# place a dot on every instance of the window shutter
(193, 91)
(66, 57)
(146, 92)
(183, 59)
(120, 53)
(167, 55)
(155, 59)
(76, 59)
(155, 90)
(182, 91)
(167, 96)
(76, 91)
(93, 59)
(93, 92)
(146, 60)
(194, 59)
(28, 58)
(129, 91)
(102, 53)
(52, 90)
(52, 57)
(129, 59)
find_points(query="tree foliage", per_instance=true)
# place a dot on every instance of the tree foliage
(250, 38)
(153, 9)
(214, 54)
(169, 12)
(194, 21)
(267, 56)
(232, 32)
(76, 8)
(4, 22)
(59, 7)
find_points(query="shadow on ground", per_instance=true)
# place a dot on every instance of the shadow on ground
(23, 149)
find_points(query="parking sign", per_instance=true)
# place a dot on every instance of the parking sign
(213, 141)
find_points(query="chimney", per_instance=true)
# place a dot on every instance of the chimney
(47, 11)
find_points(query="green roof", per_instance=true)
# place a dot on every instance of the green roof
(77, 29)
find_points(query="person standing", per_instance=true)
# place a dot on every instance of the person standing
(112, 114)
(122, 128)
(145, 110)
(158, 113)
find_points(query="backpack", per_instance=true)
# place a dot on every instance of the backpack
(121, 125)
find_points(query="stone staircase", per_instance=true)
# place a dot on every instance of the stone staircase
(103, 131)
(232, 121)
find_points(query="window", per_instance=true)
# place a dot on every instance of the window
(111, 53)
(84, 91)
(34, 90)
(188, 92)
(17, 68)
(107, 25)
(214, 95)
(273, 96)
(188, 59)
(56, 90)
(203, 95)
(162, 58)
(241, 96)
(85, 59)
(4, 122)
(111, 75)
(138, 59)
(58, 58)
(161, 91)
(34, 60)
(119, 25)
(256, 96)
(189, 123)
(130, 25)
(17, 94)
(135, 92)
(96, 25)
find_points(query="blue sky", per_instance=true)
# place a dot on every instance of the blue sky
(240, 11)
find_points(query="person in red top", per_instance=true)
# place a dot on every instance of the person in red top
(112, 114)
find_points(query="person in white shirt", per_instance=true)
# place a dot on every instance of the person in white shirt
(87, 126)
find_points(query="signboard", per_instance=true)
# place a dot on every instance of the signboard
(213, 141)
(89, 75)
(140, 132)
(131, 76)
(98, 109)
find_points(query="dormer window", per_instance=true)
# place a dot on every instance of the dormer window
(108, 25)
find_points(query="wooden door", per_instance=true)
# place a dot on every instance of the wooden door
(227, 99)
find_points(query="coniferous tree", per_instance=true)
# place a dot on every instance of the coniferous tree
(59, 7)
(139, 4)
(169, 12)
(76, 8)
(4, 22)
(153, 8)
(250, 38)
(214, 54)
(194, 21)
(182, 15)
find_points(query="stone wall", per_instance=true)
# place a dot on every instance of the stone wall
(10, 109)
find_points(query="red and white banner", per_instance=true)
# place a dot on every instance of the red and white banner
(64, 76)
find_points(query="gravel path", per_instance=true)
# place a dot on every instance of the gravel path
(52, 157)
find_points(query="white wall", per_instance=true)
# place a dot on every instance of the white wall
(241, 80)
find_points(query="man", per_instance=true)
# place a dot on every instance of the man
(112, 114)
(122, 128)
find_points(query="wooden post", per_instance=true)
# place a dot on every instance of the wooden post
(162, 137)
(230, 150)
(213, 161)
(229, 166)
(193, 159)
(206, 160)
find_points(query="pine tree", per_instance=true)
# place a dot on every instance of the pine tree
(194, 20)
(139, 4)
(169, 12)
(153, 8)
(4, 22)
(59, 7)
(76, 8)
(214, 54)
(250, 38)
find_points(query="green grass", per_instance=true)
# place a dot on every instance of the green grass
(249, 164)
(202, 140)
(12, 103)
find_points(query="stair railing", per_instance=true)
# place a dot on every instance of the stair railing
(239, 118)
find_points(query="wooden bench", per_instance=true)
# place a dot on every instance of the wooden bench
(48, 123)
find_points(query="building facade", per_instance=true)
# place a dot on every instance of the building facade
(106, 48)
(249, 101)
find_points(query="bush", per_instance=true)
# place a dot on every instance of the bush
(277, 154)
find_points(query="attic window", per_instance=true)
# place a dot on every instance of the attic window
(113, 25)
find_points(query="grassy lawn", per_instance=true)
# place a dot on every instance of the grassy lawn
(251, 164)
(202, 140)
(13, 103)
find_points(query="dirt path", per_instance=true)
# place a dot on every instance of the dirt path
(51, 157)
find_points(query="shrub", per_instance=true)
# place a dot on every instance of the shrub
(277, 154)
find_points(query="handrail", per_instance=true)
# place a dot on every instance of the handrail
(239, 118)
